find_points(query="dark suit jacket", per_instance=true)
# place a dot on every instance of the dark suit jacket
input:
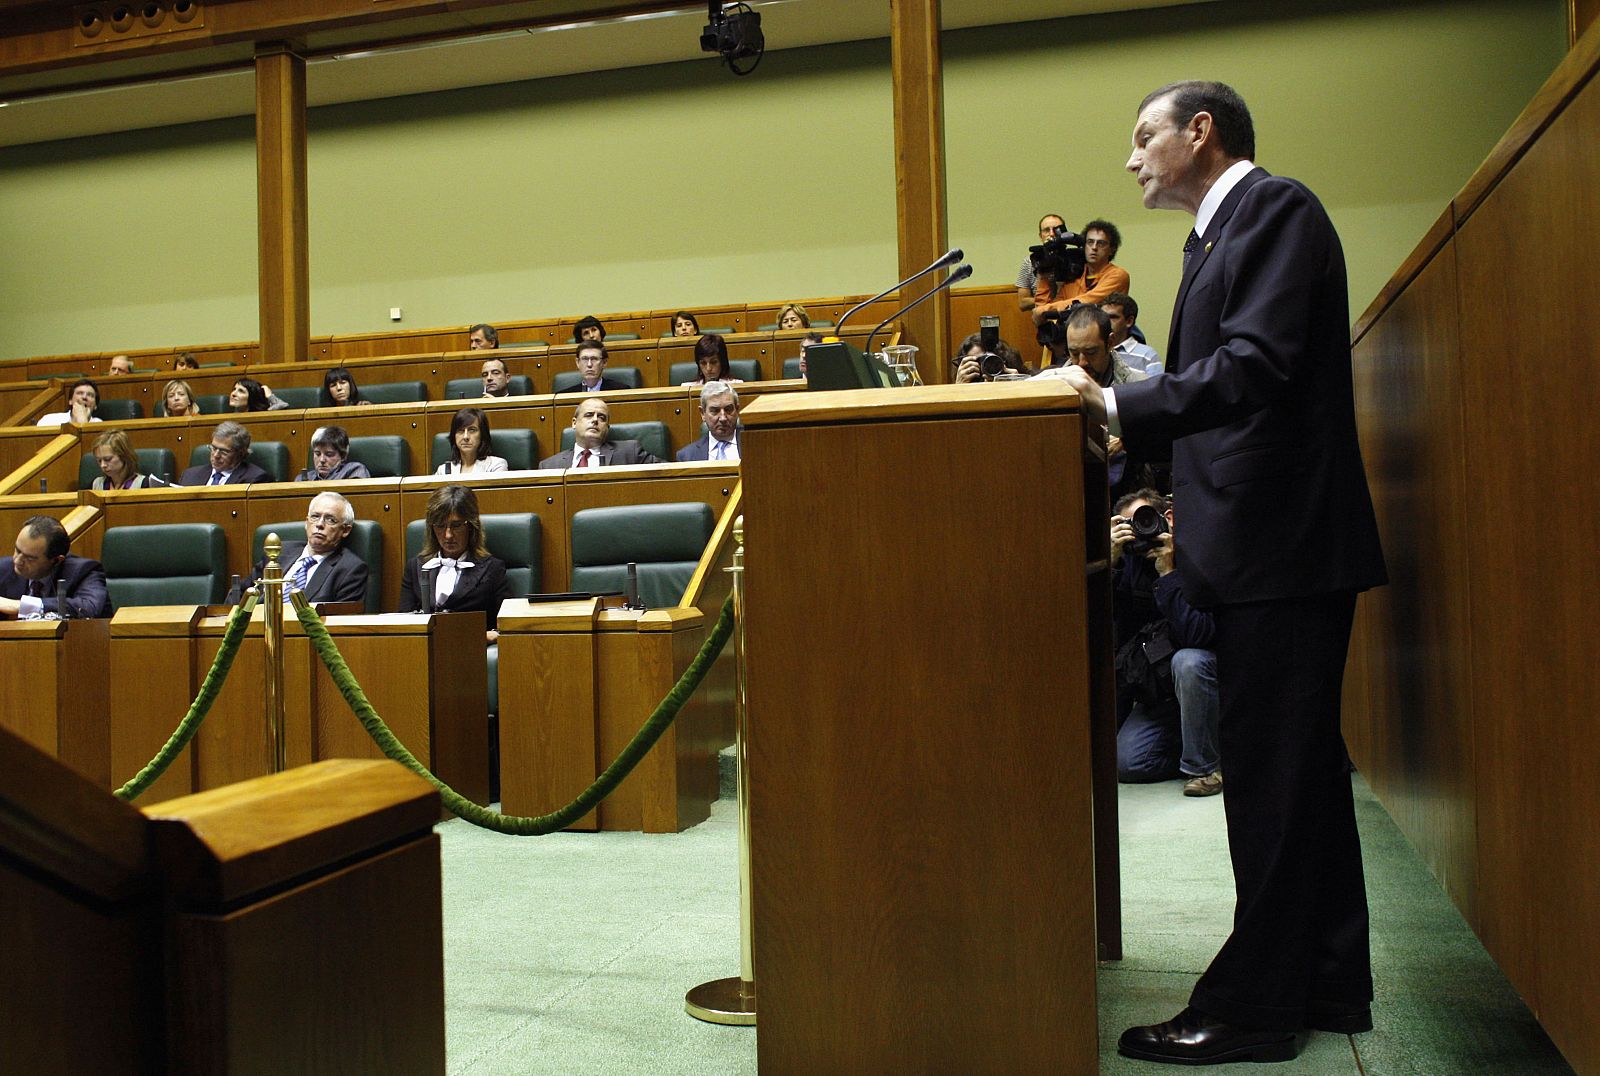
(1256, 409)
(341, 577)
(612, 454)
(81, 583)
(606, 385)
(482, 586)
(199, 476)
(701, 449)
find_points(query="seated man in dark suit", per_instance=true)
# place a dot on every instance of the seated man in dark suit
(321, 566)
(42, 578)
(719, 408)
(230, 460)
(592, 356)
(592, 444)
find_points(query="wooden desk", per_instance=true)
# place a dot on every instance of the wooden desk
(54, 693)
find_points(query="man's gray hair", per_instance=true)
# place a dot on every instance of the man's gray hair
(236, 434)
(346, 509)
(713, 389)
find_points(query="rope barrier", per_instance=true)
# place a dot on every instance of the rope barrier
(478, 815)
(238, 621)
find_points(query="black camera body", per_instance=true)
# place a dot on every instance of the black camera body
(1148, 527)
(1052, 329)
(1061, 256)
(991, 364)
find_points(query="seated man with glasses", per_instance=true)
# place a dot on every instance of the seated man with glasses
(230, 460)
(321, 566)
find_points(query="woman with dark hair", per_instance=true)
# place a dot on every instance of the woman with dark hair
(339, 390)
(330, 457)
(711, 356)
(251, 395)
(471, 447)
(588, 328)
(119, 465)
(793, 316)
(685, 324)
(186, 361)
(177, 400)
(465, 577)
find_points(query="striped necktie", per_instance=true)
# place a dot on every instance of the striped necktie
(1189, 246)
(298, 577)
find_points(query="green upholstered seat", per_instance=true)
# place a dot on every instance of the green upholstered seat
(365, 541)
(119, 410)
(299, 395)
(271, 456)
(386, 455)
(46, 377)
(664, 540)
(514, 537)
(622, 336)
(652, 437)
(395, 392)
(157, 461)
(628, 375)
(791, 369)
(212, 403)
(679, 372)
(719, 330)
(471, 388)
(518, 446)
(166, 564)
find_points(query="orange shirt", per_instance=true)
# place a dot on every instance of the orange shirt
(1085, 289)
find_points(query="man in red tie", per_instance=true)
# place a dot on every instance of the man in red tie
(591, 442)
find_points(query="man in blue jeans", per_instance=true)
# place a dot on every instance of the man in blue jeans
(1170, 728)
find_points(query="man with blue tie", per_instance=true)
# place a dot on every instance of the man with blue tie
(719, 408)
(230, 460)
(321, 566)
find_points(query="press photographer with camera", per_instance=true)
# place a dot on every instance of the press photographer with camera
(1166, 672)
(982, 357)
(1072, 268)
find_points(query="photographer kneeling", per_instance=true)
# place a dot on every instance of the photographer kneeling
(974, 360)
(1166, 676)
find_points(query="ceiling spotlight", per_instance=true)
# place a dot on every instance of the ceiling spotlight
(735, 34)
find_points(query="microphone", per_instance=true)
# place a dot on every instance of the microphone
(949, 257)
(960, 273)
(425, 579)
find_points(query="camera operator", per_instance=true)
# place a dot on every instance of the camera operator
(1026, 277)
(1166, 675)
(975, 362)
(1100, 277)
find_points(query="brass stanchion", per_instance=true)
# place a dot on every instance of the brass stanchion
(271, 587)
(733, 1000)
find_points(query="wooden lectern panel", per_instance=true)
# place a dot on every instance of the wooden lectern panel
(921, 831)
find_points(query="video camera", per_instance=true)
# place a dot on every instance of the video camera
(1061, 255)
(1052, 330)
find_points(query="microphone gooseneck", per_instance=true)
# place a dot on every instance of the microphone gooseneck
(960, 273)
(949, 257)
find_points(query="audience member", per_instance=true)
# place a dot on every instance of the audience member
(1170, 709)
(121, 366)
(186, 361)
(1025, 276)
(119, 464)
(330, 457)
(793, 316)
(471, 446)
(83, 396)
(806, 342)
(41, 578)
(339, 389)
(1100, 278)
(177, 400)
(719, 410)
(711, 356)
(251, 395)
(483, 337)
(968, 365)
(1124, 314)
(496, 381)
(464, 575)
(591, 362)
(685, 324)
(592, 445)
(588, 328)
(230, 460)
(322, 567)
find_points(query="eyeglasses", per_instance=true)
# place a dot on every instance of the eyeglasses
(325, 518)
(222, 450)
(450, 526)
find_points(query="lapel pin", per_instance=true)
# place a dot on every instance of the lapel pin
(1208, 248)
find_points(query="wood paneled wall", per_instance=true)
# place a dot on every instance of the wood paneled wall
(1475, 690)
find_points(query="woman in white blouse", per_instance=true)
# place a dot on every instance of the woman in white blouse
(471, 450)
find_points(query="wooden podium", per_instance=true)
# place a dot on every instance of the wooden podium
(922, 826)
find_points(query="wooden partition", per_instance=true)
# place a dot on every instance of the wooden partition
(1475, 722)
(54, 695)
(922, 832)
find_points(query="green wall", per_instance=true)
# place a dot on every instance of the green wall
(680, 185)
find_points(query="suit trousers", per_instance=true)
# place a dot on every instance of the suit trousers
(1299, 944)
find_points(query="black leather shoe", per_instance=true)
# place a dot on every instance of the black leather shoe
(1193, 1038)
(1340, 1023)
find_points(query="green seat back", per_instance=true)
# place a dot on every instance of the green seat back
(720, 330)
(365, 541)
(664, 540)
(119, 410)
(679, 372)
(471, 388)
(300, 395)
(518, 446)
(652, 437)
(271, 456)
(622, 336)
(395, 392)
(69, 378)
(628, 375)
(791, 369)
(157, 461)
(212, 403)
(166, 564)
(514, 537)
(386, 455)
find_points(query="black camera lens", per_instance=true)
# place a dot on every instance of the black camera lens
(993, 365)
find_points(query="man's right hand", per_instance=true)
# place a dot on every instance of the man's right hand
(80, 413)
(969, 371)
(1121, 535)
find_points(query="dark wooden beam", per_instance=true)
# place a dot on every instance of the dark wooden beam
(282, 241)
(919, 172)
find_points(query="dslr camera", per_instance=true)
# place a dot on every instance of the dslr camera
(1148, 526)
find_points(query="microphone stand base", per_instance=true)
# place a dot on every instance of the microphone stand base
(729, 1001)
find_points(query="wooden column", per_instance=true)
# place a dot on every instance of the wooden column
(282, 243)
(919, 172)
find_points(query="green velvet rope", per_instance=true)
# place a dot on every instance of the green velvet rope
(520, 825)
(231, 638)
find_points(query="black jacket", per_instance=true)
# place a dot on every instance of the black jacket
(482, 586)
(79, 581)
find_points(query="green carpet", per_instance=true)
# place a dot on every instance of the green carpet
(571, 953)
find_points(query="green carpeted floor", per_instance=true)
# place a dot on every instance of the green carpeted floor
(571, 953)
